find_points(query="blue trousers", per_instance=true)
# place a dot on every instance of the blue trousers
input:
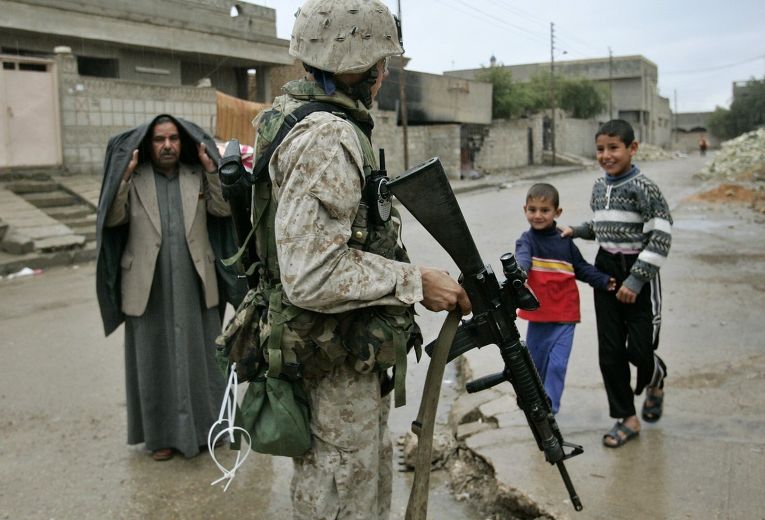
(550, 346)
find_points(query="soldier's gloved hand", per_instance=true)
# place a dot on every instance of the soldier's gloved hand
(440, 292)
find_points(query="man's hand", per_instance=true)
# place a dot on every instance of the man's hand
(625, 295)
(566, 231)
(440, 292)
(207, 163)
(131, 166)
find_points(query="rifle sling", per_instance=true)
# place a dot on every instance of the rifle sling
(423, 426)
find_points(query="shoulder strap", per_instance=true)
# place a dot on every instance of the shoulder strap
(290, 120)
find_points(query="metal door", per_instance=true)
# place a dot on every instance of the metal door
(29, 116)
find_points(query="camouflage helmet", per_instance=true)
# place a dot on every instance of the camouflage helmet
(342, 36)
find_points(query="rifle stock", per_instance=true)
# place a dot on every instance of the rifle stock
(425, 191)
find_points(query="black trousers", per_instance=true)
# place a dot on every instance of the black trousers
(628, 333)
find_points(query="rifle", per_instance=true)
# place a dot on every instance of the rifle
(425, 191)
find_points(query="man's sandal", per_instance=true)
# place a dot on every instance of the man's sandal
(163, 454)
(627, 433)
(652, 408)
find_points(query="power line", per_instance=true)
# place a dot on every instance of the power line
(566, 43)
(719, 67)
(494, 20)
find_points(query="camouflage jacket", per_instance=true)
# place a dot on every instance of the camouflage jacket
(317, 177)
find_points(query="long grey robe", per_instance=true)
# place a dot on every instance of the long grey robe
(174, 387)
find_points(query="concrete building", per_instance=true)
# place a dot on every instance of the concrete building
(119, 63)
(631, 82)
(433, 99)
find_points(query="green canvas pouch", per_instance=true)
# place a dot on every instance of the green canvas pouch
(276, 414)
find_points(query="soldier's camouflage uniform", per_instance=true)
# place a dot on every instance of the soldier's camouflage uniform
(317, 175)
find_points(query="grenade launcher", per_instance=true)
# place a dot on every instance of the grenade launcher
(425, 191)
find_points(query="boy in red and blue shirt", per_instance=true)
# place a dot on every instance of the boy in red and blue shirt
(553, 265)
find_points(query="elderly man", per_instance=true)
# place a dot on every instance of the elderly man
(166, 285)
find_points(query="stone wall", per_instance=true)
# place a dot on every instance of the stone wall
(507, 145)
(95, 109)
(576, 136)
(441, 141)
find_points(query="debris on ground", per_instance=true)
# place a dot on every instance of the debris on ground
(26, 271)
(473, 478)
(444, 444)
(739, 166)
(726, 192)
(739, 159)
(651, 152)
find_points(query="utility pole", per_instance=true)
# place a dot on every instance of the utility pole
(402, 99)
(552, 89)
(610, 84)
(674, 117)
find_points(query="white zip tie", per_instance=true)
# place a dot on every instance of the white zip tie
(228, 415)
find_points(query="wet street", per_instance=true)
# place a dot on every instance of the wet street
(62, 406)
(63, 420)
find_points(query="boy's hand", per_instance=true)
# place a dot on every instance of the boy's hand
(626, 295)
(566, 231)
(611, 284)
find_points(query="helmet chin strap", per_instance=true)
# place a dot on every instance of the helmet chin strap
(361, 91)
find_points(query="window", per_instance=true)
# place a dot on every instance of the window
(98, 67)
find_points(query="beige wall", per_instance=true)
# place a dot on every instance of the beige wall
(576, 136)
(506, 145)
(94, 109)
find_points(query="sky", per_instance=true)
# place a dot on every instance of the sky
(700, 47)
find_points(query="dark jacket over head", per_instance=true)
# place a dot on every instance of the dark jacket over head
(110, 241)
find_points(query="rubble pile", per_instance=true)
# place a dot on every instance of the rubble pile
(739, 159)
(651, 152)
(740, 168)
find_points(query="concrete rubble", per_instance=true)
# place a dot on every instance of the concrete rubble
(739, 159)
(651, 152)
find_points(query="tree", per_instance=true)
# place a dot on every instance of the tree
(746, 113)
(508, 99)
(582, 98)
(719, 123)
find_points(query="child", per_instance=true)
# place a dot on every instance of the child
(633, 227)
(553, 265)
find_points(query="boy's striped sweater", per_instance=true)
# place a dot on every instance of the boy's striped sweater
(630, 217)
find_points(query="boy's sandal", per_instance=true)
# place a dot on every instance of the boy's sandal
(627, 433)
(652, 408)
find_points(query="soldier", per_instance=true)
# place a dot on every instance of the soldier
(344, 287)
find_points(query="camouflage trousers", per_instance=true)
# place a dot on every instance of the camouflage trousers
(347, 473)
